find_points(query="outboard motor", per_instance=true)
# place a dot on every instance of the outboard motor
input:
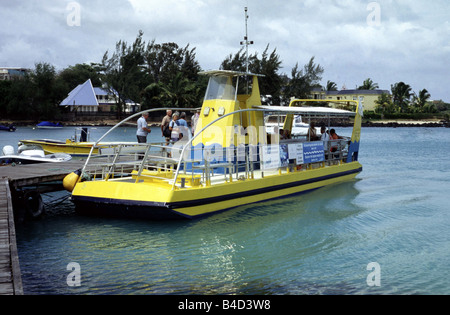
(84, 134)
(8, 150)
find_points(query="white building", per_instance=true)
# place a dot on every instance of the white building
(9, 73)
(86, 98)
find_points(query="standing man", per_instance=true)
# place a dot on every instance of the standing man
(325, 136)
(142, 129)
(165, 123)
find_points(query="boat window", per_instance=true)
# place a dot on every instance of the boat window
(220, 88)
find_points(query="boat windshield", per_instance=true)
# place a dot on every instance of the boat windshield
(221, 88)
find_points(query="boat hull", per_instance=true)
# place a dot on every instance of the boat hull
(155, 201)
(127, 210)
(17, 159)
(80, 149)
(73, 148)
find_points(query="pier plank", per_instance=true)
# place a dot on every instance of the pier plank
(33, 174)
(16, 177)
(10, 276)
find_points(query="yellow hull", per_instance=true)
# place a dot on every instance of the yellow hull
(155, 198)
(72, 148)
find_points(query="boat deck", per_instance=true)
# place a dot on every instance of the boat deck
(198, 176)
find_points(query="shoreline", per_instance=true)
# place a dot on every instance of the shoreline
(367, 123)
(406, 123)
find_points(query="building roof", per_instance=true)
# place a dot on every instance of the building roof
(100, 91)
(357, 92)
(82, 95)
(228, 73)
(365, 92)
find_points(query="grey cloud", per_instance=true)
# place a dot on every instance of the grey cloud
(411, 42)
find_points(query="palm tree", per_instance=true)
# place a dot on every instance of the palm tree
(368, 84)
(421, 99)
(384, 104)
(331, 86)
(182, 91)
(401, 95)
(155, 95)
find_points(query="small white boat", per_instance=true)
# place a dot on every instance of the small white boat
(27, 154)
(299, 128)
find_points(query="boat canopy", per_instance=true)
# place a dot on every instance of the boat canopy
(307, 111)
(49, 124)
(228, 73)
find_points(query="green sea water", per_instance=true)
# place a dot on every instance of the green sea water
(396, 213)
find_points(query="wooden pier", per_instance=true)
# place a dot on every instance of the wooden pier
(11, 179)
(10, 277)
(36, 174)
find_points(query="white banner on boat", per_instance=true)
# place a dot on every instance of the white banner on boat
(296, 152)
(270, 157)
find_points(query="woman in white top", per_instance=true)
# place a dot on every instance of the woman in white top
(173, 126)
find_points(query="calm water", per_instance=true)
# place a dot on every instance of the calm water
(396, 213)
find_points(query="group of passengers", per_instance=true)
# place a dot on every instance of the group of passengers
(178, 125)
(285, 134)
(327, 136)
(173, 126)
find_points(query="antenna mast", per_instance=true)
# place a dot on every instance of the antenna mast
(246, 42)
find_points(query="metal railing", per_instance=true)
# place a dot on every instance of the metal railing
(180, 163)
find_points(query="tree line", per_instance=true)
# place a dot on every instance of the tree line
(403, 100)
(152, 74)
(164, 75)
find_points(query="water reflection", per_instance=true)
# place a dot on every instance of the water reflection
(226, 253)
(317, 243)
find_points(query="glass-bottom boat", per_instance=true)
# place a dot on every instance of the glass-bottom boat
(230, 160)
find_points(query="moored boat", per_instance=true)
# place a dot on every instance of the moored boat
(30, 155)
(230, 161)
(49, 125)
(79, 145)
(10, 128)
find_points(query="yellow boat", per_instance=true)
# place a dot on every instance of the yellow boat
(78, 145)
(229, 162)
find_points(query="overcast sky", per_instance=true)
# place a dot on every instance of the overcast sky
(388, 40)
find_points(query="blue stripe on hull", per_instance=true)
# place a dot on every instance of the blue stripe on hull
(160, 211)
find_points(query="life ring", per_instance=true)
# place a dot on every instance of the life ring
(34, 206)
